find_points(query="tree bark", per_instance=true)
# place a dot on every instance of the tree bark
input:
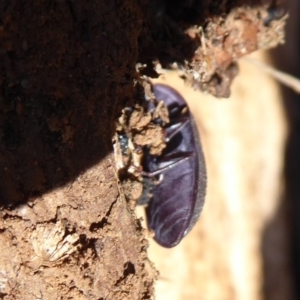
(67, 69)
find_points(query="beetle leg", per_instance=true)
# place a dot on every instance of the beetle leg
(171, 132)
(148, 185)
(181, 157)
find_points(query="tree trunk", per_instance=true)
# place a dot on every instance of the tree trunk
(66, 70)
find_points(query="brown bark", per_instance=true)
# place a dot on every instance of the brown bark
(66, 70)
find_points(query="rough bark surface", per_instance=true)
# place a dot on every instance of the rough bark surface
(67, 68)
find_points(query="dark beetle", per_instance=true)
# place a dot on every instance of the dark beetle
(179, 187)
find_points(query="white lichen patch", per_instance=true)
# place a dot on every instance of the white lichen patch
(51, 242)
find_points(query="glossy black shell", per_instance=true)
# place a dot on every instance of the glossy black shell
(178, 198)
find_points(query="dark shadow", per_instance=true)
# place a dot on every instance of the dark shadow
(282, 235)
(64, 77)
(279, 272)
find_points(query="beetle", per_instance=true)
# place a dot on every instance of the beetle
(176, 178)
